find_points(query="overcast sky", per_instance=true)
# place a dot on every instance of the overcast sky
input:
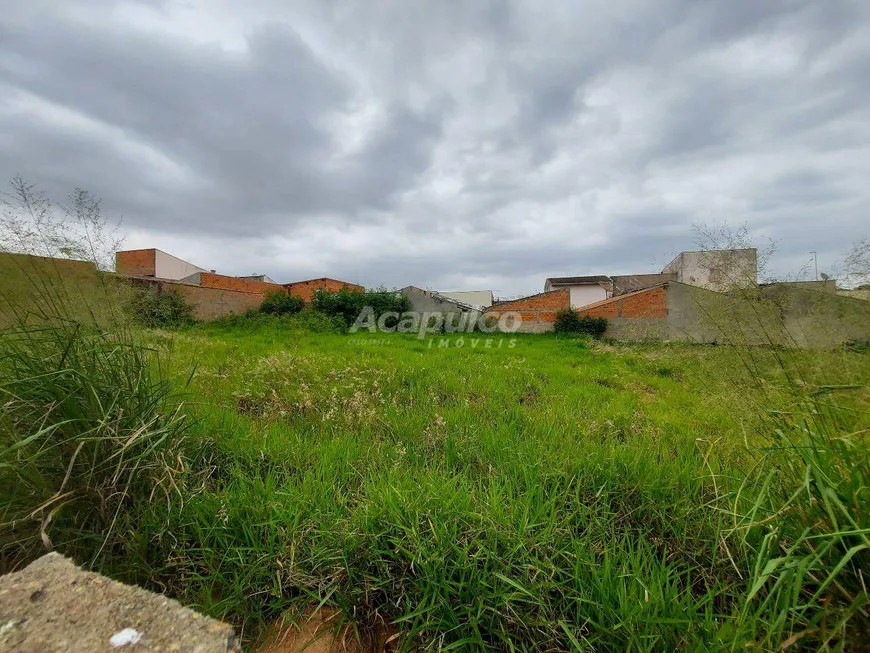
(447, 144)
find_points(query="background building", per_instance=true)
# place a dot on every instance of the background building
(476, 298)
(719, 270)
(153, 263)
(583, 290)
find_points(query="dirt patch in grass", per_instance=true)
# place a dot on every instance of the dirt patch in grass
(323, 631)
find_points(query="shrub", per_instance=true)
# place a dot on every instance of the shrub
(159, 308)
(281, 303)
(568, 321)
(347, 305)
(593, 326)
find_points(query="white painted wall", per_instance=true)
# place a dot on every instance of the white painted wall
(167, 266)
(474, 297)
(586, 294)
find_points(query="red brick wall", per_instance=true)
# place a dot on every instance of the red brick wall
(650, 303)
(538, 312)
(608, 309)
(306, 289)
(224, 282)
(136, 262)
(644, 303)
(555, 300)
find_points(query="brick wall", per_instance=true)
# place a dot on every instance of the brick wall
(538, 312)
(608, 309)
(640, 315)
(306, 289)
(646, 303)
(208, 303)
(136, 262)
(650, 303)
(224, 282)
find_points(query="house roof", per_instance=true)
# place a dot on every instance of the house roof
(578, 281)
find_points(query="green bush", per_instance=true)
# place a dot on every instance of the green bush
(154, 308)
(568, 321)
(593, 326)
(347, 305)
(281, 303)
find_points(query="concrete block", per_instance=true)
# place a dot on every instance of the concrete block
(53, 606)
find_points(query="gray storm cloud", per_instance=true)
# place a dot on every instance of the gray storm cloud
(448, 145)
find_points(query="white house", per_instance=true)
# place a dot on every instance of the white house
(584, 290)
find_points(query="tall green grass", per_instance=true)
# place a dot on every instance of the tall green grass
(89, 424)
(88, 428)
(806, 525)
(559, 495)
(548, 494)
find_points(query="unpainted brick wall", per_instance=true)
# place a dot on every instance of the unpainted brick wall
(608, 309)
(209, 303)
(136, 262)
(651, 303)
(224, 282)
(306, 289)
(648, 303)
(538, 312)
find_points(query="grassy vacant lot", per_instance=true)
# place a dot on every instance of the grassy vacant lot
(540, 493)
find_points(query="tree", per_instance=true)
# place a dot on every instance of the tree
(30, 224)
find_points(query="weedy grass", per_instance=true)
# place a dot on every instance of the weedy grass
(87, 428)
(510, 493)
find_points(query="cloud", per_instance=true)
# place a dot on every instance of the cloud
(458, 144)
